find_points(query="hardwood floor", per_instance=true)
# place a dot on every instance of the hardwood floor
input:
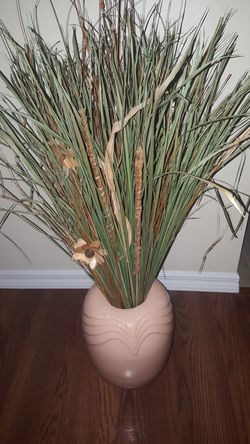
(50, 394)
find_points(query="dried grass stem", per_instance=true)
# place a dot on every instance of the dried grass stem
(139, 160)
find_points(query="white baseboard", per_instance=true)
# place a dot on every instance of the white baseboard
(173, 280)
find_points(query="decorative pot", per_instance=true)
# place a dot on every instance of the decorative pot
(128, 347)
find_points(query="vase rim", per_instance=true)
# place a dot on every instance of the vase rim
(148, 301)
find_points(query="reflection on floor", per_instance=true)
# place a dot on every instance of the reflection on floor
(244, 264)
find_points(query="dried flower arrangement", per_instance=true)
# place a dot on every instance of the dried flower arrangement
(116, 137)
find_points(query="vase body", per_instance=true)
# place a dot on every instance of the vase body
(128, 347)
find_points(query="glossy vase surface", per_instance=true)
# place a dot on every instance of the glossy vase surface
(128, 347)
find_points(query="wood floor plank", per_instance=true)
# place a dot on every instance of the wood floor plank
(51, 394)
(233, 334)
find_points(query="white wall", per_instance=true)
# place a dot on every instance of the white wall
(197, 234)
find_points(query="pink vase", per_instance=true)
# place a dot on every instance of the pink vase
(128, 347)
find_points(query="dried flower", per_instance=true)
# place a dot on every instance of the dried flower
(90, 254)
(69, 162)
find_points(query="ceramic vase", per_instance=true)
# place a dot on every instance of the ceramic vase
(128, 347)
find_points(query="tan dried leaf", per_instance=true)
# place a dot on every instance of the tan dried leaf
(69, 161)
